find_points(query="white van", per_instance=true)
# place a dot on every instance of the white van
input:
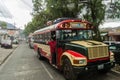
(6, 43)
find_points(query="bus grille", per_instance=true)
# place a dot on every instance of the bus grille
(98, 52)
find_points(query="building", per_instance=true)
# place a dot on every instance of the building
(111, 34)
(11, 31)
(114, 36)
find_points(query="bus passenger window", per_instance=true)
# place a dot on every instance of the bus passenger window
(64, 36)
(74, 36)
(81, 35)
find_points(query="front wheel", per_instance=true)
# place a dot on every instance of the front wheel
(68, 70)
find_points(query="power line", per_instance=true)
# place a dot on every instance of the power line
(4, 10)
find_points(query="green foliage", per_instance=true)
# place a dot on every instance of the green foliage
(114, 10)
(3, 25)
(60, 8)
(38, 7)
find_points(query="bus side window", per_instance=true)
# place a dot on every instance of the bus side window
(53, 35)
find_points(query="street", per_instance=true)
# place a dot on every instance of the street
(23, 64)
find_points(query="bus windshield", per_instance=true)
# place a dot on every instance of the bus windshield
(71, 35)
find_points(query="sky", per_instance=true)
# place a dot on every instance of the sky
(110, 24)
(16, 12)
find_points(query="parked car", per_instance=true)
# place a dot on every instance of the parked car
(115, 48)
(6, 43)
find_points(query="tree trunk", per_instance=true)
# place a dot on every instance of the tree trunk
(97, 34)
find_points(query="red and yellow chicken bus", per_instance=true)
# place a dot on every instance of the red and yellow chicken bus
(76, 51)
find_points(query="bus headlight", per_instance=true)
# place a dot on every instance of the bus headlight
(112, 56)
(81, 61)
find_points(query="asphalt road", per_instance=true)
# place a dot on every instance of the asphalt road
(24, 65)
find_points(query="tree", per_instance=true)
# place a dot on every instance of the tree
(3, 25)
(29, 28)
(38, 6)
(63, 8)
(95, 13)
(114, 10)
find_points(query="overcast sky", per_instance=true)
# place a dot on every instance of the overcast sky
(110, 24)
(16, 11)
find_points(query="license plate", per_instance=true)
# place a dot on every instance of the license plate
(100, 66)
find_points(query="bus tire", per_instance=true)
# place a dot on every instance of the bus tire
(39, 55)
(68, 70)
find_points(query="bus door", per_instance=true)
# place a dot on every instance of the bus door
(59, 47)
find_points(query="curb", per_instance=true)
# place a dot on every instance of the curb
(8, 56)
(115, 72)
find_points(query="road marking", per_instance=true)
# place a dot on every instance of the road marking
(50, 75)
(47, 71)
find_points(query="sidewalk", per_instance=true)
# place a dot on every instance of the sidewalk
(4, 53)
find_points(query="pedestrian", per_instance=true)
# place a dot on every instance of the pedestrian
(52, 44)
